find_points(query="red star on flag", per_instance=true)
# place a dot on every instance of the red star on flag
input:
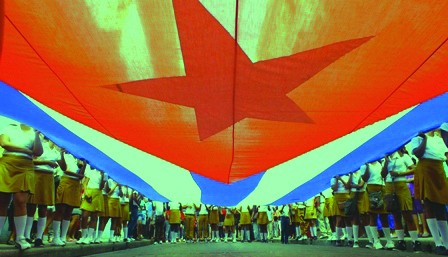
(223, 85)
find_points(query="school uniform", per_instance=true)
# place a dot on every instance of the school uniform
(69, 189)
(375, 184)
(430, 182)
(17, 169)
(398, 184)
(174, 213)
(341, 195)
(93, 190)
(189, 215)
(105, 212)
(363, 198)
(229, 220)
(44, 177)
(203, 222)
(114, 200)
(125, 211)
(262, 218)
(214, 215)
(245, 216)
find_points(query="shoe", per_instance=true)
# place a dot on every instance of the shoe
(389, 246)
(28, 241)
(22, 244)
(57, 242)
(112, 240)
(355, 245)
(38, 243)
(417, 247)
(440, 250)
(81, 240)
(377, 246)
(426, 235)
(156, 243)
(322, 237)
(339, 243)
(305, 237)
(343, 237)
(369, 245)
(350, 243)
(132, 239)
(401, 246)
(86, 241)
(234, 240)
(97, 241)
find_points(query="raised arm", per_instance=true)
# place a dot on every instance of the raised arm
(366, 175)
(37, 147)
(420, 150)
(385, 169)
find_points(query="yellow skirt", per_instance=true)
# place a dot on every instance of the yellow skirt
(97, 204)
(214, 217)
(328, 209)
(174, 217)
(105, 213)
(262, 218)
(403, 193)
(295, 215)
(114, 207)
(363, 202)
(69, 192)
(376, 188)
(430, 182)
(44, 189)
(310, 213)
(245, 218)
(16, 174)
(229, 221)
(338, 199)
(125, 213)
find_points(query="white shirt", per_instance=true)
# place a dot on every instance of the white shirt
(106, 179)
(263, 208)
(50, 155)
(94, 178)
(398, 164)
(72, 165)
(203, 210)
(435, 147)
(285, 211)
(173, 205)
(125, 190)
(341, 188)
(114, 193)
(190, 209)
(148, 207)
(19, 138)
(159, 208)
(356, 179)
(375, 173)
(269, 215)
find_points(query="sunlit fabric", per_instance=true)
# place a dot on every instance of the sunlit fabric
(218, 96)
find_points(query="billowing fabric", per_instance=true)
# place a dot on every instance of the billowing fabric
(222, 93)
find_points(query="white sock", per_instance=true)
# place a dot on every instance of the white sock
(311, 231)
(64, 229)
(173, 237)
(434, 229)
(100, 234)
(57, 229)
(338, 233)
(2, 222)
(345, 231)
(225, 237)
(213, 235)
(374, 232)
(443, 227)
(234, 236)
(387, 234)
(125, 231)
(29, 225)
(414, 235)
(90, 232)
(41, 227)
(297, 231)
(84, 233)
(92, 237)
(315, 231)
(369, 234)
(111, 235)
(400, 234)
(349, 233)
(20, 223)
(356, 233)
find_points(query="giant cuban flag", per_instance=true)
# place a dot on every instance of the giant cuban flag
(225, 101)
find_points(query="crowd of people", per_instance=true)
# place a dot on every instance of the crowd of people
(45, 190)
